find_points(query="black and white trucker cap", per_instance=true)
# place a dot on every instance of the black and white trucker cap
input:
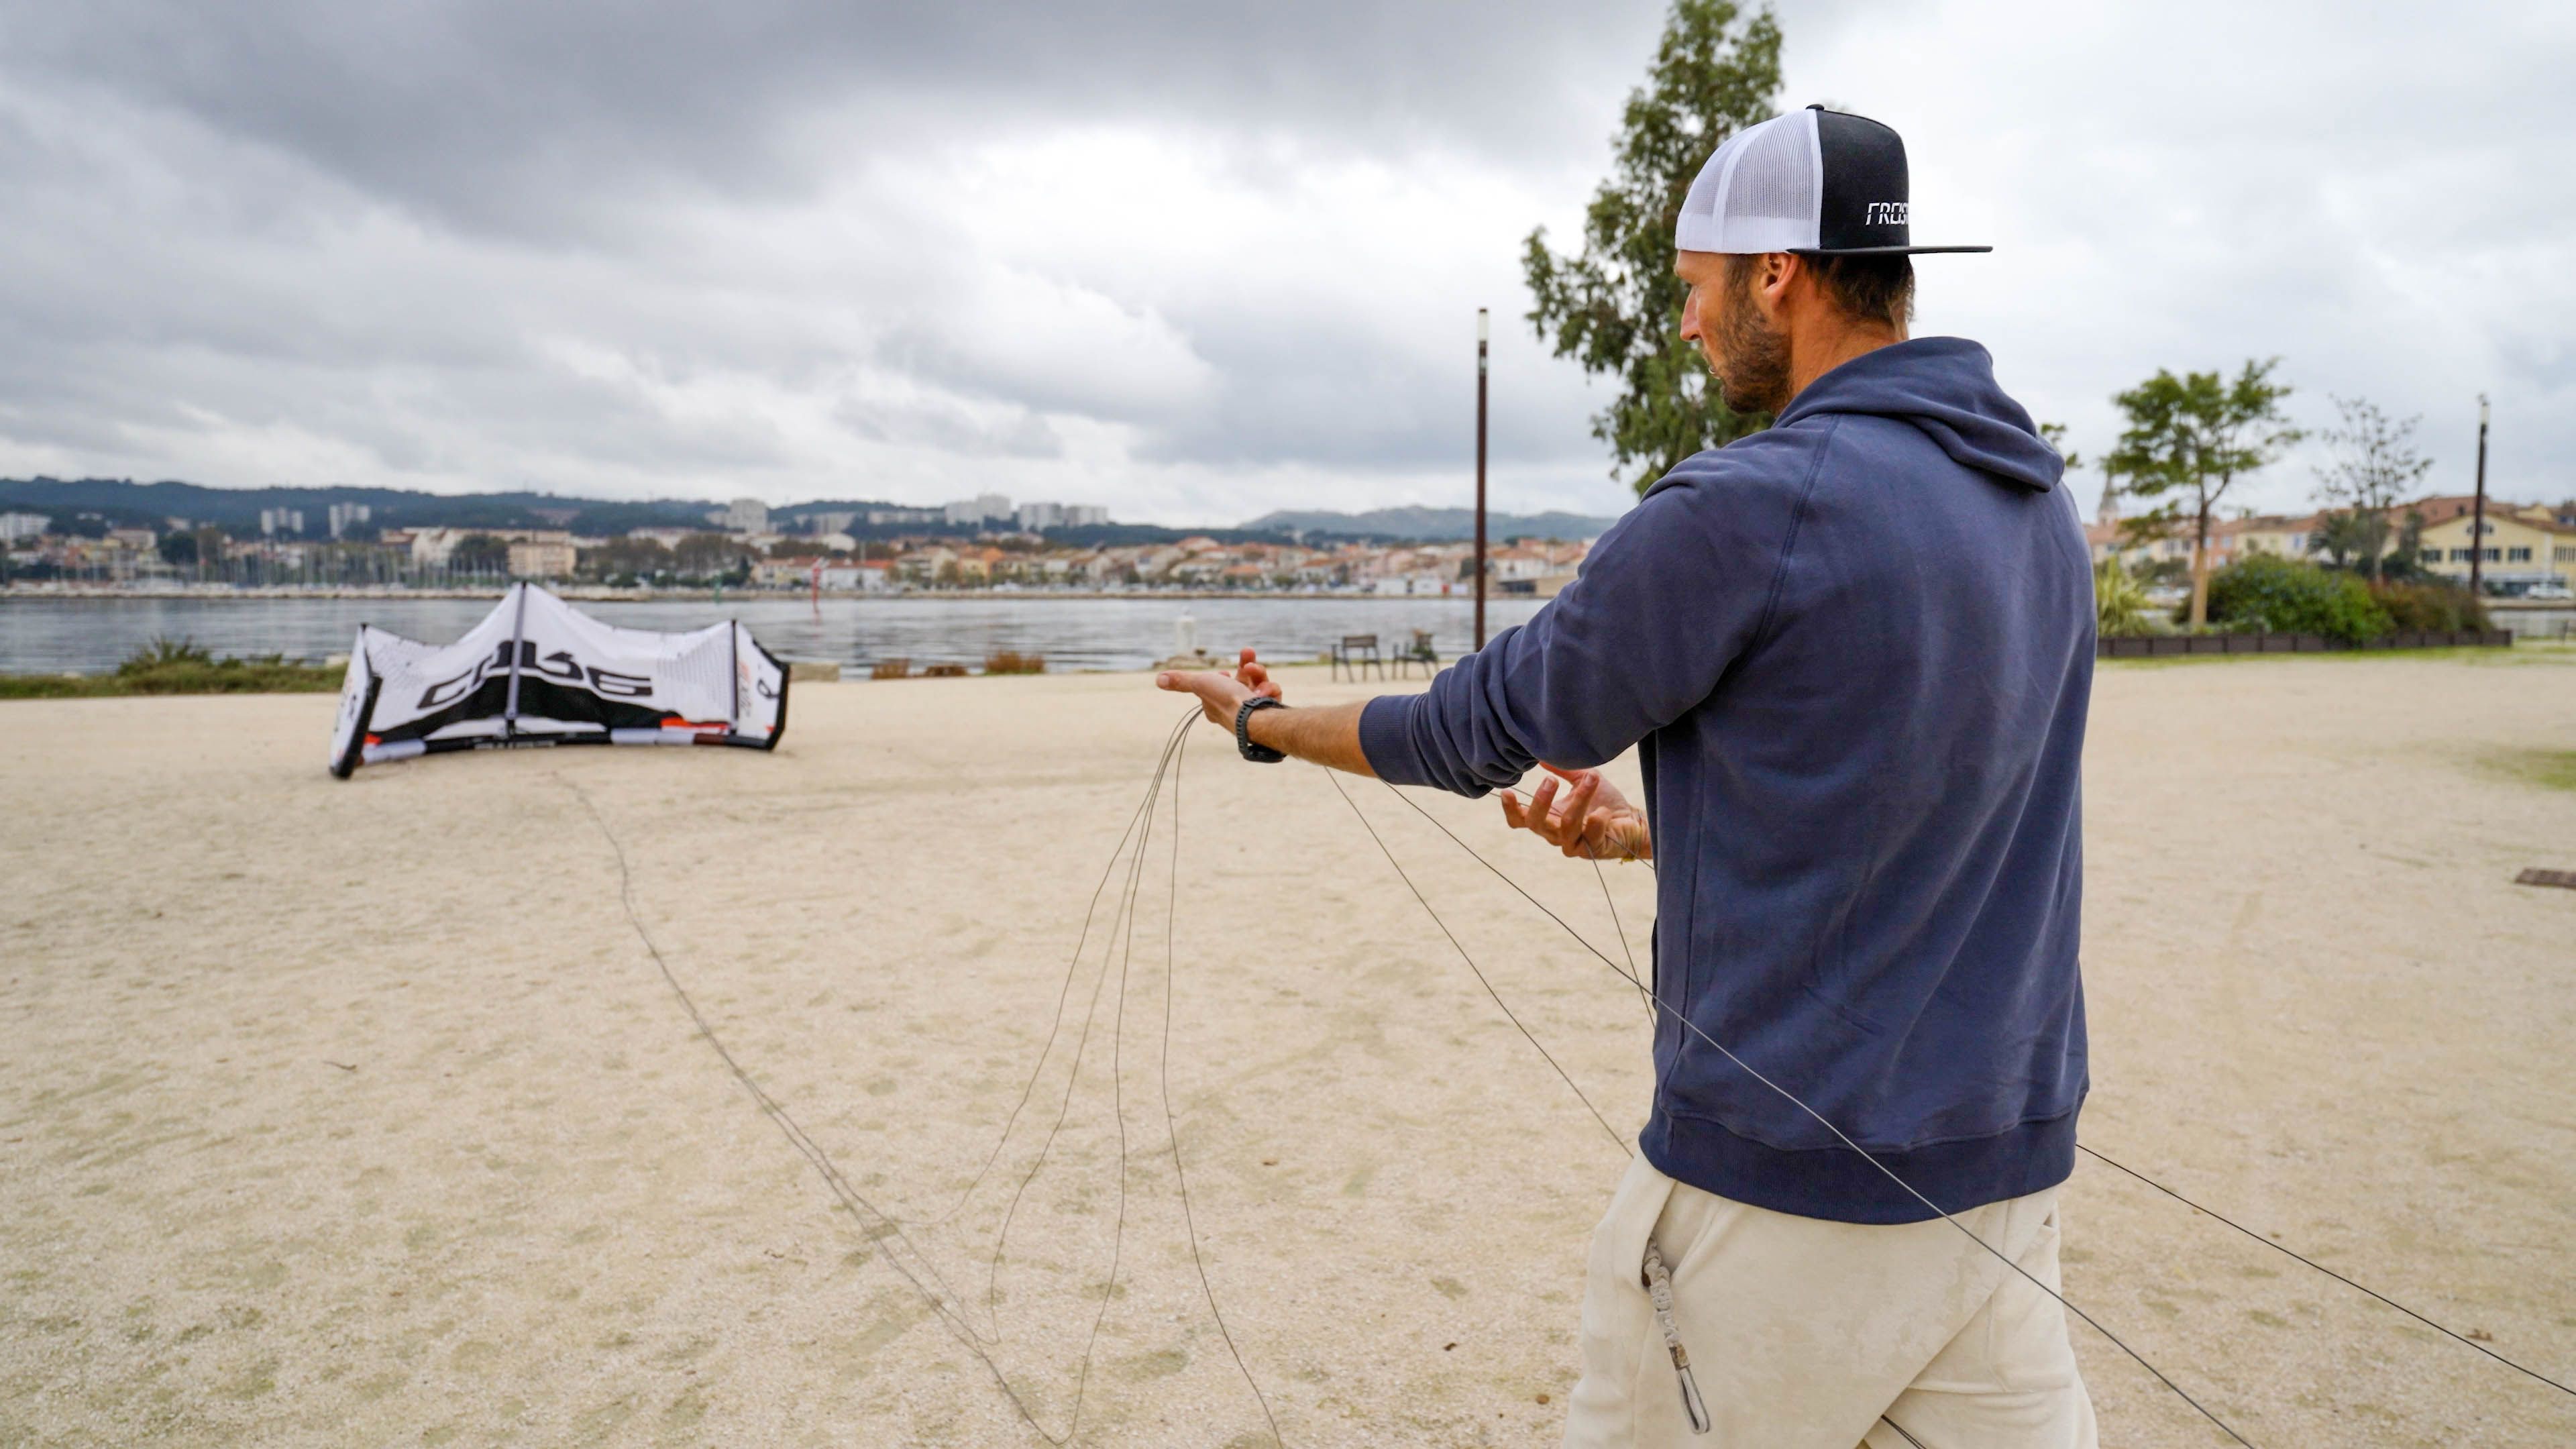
(1820, 182)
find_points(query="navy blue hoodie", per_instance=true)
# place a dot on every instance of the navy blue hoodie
(1854, 654)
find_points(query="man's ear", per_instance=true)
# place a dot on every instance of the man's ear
(1773, 278)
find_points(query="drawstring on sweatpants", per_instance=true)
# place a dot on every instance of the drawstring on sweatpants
(1659, 1287)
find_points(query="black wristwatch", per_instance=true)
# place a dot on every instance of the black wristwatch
(1258, 754)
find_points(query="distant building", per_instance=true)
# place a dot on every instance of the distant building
(746, 515)
(1085, 515)
(15, 526)
(275, 521)
(904, 517)
(667, 537)
(542, 558)
(432, 547)
(141, 540)
(1038, 517)
(872, 577)
(836, 521)
(982, 508)
(347, 517)
(2524, 545)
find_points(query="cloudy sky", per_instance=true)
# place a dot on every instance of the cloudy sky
(1191, 261)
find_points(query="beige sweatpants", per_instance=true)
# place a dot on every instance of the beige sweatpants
(1803, 1332)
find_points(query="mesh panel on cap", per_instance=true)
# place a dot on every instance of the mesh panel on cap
(1775, 179)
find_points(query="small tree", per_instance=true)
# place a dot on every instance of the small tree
(479, 553)
(2406, 559)
(2373, 463)
(625, 558)
(706, 553)
(1617, 307)
(2196, 435)
(2342, 537)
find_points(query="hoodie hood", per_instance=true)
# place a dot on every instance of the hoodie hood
(1946, 387)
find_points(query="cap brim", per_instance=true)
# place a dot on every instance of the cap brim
(1880, 251)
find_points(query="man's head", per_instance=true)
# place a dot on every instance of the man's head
(1795, 242)
(1752, 313)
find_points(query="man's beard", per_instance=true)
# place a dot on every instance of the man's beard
(1752, 359)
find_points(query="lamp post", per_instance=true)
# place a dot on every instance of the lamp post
(1484, 331)
(2478, 520)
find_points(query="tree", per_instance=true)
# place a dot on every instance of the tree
(479, 553)
(626, 558)
(2372, 464)
(1616, 308)
(706, 553)
(2406, 560)
(2342, 537)
(2196, 435)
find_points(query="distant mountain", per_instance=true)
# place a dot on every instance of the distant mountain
(1429, 525)
(122, 502)
(236, 510)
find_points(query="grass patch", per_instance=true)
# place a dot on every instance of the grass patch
(2550, 769)
(182, 666)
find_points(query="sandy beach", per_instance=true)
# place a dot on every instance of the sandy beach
(340, 1114)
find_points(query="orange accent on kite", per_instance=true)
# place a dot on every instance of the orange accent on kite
(675, 722)
(375, 739)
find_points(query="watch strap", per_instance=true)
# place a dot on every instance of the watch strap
(1258, 754)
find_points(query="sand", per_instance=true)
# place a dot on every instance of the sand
(339, 1114)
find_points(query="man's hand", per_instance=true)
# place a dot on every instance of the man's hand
(1221, 694)
(1595, 819)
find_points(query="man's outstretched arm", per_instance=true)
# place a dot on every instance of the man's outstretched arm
(1594, 821)
(1328, 736)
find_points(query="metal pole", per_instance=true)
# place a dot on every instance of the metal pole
(1484, 330)
(2478, 522)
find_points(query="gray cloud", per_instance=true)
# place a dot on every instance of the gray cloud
(1187, 261)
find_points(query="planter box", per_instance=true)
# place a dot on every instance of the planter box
(2163, 646)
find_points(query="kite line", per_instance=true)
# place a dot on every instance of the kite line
(1694, 1027)
(886, 1231)
(912, 1263)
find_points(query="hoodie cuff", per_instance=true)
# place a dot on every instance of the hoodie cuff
(1386, 737)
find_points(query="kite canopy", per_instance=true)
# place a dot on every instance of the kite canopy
(537, 672)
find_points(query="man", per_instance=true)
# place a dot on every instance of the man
(1853, 653)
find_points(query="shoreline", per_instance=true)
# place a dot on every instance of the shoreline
(605, 595)
(602, 595)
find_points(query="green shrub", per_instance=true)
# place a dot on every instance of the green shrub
(2120, 604)
(2430, 604)
(165, 653)
(182, 666)
(2274, 594)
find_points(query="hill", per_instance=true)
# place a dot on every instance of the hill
(1429, 525)
(236, 510)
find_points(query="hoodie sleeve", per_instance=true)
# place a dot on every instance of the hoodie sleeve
(1667, 600)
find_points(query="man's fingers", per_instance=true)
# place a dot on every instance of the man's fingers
(1512, 813)
(1542, 809)
(1578, 801)
(1578, 810)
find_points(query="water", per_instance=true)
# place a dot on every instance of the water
(2535, 623)
(56, 635)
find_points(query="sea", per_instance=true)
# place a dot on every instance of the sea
(59, 635)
